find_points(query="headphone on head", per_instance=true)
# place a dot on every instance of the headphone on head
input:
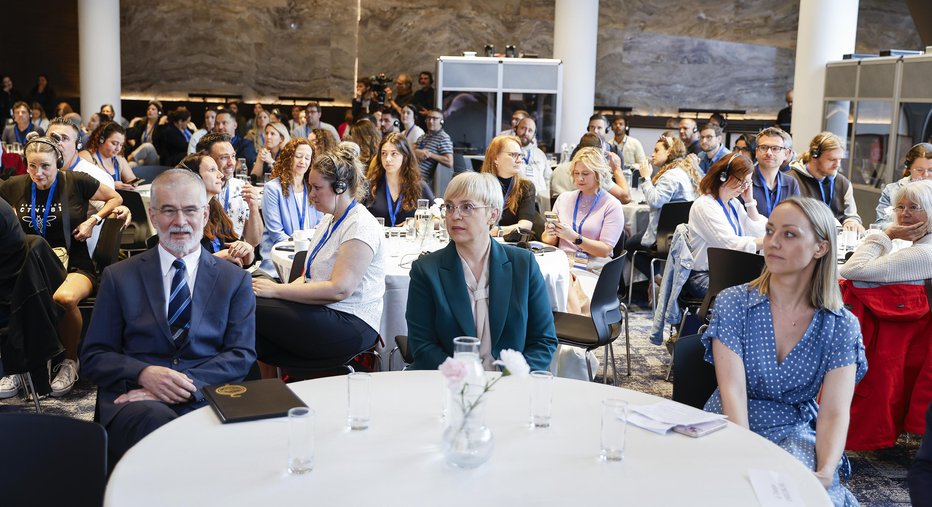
(817, 151)
(723, 176)
(33, 137)
(339, 185)
(396, 123)
(695, 128)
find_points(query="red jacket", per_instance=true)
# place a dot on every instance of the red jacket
(897, 327)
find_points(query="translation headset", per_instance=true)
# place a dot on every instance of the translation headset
(339, 185)
(396, 123)
(816, 151)
(695, 128)
(723, 176)
(33, 137)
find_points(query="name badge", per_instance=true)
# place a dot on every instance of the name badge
(528, 170)
(580, 260)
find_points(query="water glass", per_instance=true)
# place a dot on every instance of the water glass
(359, 400)
(541, 398)
(614, 427)
(381, 221)
(300, 440)
(423, 203)
(411, 227)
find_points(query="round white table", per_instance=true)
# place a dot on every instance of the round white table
(195, 460)
(399, 254)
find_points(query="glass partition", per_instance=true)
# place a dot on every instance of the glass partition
(469, 119)
(839, 119)
(541, 106)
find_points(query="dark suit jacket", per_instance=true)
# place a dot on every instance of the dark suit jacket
(519, 308)
(245, 149)
(129, 328)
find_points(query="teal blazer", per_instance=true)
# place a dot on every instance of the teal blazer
(519, 308)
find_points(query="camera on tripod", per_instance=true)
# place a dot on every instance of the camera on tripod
(379, 83)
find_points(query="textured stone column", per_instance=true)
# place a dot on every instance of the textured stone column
(575, 34)
(99, 55)
(826, 31)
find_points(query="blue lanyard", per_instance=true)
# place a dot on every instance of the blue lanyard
(307, 130)
(233, 141)
(323, 240)
(301, 211)
(408, 132)
(226, 199)
(776, 197)
(393, 207)
(22, 138)
(187, 134)
(116, 166)
(831, 188)
(45, 214)
(736, 225)
(262, 139)
(578, 228)
(215, 244)
(75, 163)
(527, 158)
(147, 134)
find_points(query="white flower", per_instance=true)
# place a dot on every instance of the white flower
(514, 363)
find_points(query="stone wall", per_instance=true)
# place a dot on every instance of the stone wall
(654, 55)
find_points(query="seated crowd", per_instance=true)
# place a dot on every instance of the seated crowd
(215, 237)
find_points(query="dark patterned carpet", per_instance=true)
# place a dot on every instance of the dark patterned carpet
(878, 479)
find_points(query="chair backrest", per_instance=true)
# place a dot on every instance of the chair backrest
(728, 268)
(402, 342)
(297, 265)
(693, 378)
(671, 215)
(107, 251)
(136, 233)
(39, 447)
(460, 164)
(604, 306)
(149, 172)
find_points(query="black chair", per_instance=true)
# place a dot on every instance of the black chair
(138, 231)
(693, 378)
(671, 215)
(476, 164)
(603, 326)
(460, 164)
(39, 448)
(401, 346)
(727, 268)
(149, 172)
(106, 253)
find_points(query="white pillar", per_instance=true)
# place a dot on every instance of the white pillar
(99, 55)
(827, 31)
(575, 35)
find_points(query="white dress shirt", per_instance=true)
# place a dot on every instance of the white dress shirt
(168, 272)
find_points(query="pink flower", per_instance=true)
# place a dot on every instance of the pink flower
(454, 370)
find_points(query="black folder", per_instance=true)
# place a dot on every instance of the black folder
(251, 400)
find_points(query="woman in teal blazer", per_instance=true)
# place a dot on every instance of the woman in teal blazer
(448, 296)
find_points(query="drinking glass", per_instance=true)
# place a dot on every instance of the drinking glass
(359, 391)
(381, 221)
(614, 427)
(541, 398)
(300, 440)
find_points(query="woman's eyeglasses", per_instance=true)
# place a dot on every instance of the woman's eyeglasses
(913, 208)
(466, 209)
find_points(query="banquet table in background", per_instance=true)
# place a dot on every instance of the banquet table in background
(196, 461)
(401, 253)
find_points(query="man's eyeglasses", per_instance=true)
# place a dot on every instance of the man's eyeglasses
(764, 148)
(913, 208)
(171, 211)
(466, 209)
(432, 118)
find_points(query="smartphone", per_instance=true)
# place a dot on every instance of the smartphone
(137, 182)
(286, 248)
(701, 429)
(551, 217)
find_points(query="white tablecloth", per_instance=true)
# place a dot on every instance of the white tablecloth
(197, 461)
(401, 252)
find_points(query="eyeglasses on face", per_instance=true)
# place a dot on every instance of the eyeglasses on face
(912, 208)
(742, 184)
(171, 211)
(466, 209)
(515, 155)
(765, 148)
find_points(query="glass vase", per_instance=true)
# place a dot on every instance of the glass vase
(467, 442)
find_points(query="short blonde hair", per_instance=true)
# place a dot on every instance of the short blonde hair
(480, 187)
(916, 192)
(594, 159)
(824, 291)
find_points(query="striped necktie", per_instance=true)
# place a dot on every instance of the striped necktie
(179, 303)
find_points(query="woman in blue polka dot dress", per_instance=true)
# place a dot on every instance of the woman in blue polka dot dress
(776, 341)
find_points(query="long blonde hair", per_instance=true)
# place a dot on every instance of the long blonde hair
(824, 291)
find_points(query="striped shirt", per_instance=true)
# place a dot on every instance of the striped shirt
(440, 143)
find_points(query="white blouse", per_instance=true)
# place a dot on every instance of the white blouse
(710, 227)
(874, 260)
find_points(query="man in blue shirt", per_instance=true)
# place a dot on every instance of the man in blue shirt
(770, 184)
(710, 140)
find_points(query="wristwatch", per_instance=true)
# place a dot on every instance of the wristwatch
(578, 240)
(97, 218)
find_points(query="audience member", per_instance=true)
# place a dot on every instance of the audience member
(107, 109)
(562, 178)
(536, 166)
(395, 183)
(598, 125)
(516, 118)
(787, 354)
(818, 176)
(93, 121)
(425, 98)
(713, 146)
(152, 361)
(718, 219)
(478, 287)
(104, 149)
(785, 116)
(219, 238)
(322, 141)
(21, 126)
(256, 132)
(244, 148)
(362, 101)
(365, 134)
(770, 184)
(689, 134)
(42, 93)
(238, 197)
(141, 132)
(403, 97)
(298, 121)
(210, 120)
(746, 145)
(434, 147)
(276, 137)
(503, 160)
(874, 259)
(332, 312)
(8, 97)
(38, 118)
(917, 167)
(312, 121)
(625, 146)
(286, 202)
(39, 198)
(172, 138)
(411, 130)
(389, 122)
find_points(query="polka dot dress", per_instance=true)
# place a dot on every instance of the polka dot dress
(782, 396)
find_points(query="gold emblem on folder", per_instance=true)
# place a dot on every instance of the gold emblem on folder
(231, 390)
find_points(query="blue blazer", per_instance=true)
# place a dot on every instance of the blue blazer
(439, 309)
(129, 329)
